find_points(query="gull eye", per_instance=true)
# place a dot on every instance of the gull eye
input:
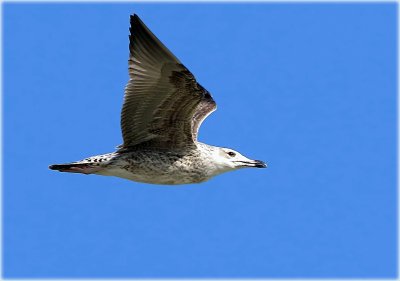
(232, 154)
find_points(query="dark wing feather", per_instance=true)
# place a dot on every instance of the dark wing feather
(203, 109)
(163, 104)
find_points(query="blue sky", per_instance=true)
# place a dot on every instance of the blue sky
(308, 88)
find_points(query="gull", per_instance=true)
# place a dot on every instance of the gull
(163, 109)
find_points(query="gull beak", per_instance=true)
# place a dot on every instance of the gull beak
(253, 163)
(259, 164)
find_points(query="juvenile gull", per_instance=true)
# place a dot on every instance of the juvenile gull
(163, 109)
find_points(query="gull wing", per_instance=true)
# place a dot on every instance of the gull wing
(163, 104)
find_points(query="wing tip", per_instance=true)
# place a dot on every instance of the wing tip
(135, 21)
(134, 18)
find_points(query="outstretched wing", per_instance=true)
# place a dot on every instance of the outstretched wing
(163, 104)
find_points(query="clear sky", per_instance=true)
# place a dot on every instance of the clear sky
(308, 88)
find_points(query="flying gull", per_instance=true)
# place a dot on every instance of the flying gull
(163, 109)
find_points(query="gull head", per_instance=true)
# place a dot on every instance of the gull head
(229, 160)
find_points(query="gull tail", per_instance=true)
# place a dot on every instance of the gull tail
(83, 168)
(91, 165)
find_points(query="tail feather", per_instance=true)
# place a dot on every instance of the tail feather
(83, 168)
(90, 165)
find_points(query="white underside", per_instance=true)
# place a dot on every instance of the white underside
(167, 179)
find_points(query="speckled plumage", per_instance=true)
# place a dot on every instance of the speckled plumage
(163, 109)
(160, 166)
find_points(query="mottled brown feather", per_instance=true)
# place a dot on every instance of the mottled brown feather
(163, 106)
